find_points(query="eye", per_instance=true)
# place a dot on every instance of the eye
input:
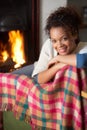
(65, 38)
(53, 41)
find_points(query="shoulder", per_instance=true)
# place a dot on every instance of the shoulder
(81, 48)
(48, 49)
(82, 44)
(47, 46)
(47, 43)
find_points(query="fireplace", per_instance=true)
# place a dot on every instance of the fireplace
(18, 19)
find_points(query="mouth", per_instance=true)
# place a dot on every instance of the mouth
(63, 50)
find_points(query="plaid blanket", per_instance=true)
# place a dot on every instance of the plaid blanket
(57, 105)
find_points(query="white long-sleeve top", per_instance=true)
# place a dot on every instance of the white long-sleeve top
(47, 53)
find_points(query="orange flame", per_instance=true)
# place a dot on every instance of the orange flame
(17, 47)
(3, 52)
(5, 55)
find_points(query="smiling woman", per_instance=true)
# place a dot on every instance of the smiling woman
(62, 41)
(63, 29)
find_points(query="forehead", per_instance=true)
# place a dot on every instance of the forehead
(59, 32)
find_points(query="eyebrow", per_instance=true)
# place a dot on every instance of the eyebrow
(60, 37)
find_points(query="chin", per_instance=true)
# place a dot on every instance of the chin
(64, 53)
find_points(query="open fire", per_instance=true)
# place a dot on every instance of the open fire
(18, 15)
(13, 49)
(16, 41)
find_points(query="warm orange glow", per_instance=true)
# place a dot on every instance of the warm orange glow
(5, 55)
(17, 47)
(3, 52)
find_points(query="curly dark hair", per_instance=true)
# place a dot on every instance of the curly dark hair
(66, 17)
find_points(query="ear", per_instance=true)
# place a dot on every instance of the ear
(75, 36)
(76, 39)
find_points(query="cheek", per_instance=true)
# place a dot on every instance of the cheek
(71, 46)
(54, 46)
(68, 43)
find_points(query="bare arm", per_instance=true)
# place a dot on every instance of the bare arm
(80, 61)
(48, 74)
(66, 59)
(54, 65)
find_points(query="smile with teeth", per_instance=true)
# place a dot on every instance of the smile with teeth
(63, 49)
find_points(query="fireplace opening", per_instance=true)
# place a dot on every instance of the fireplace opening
(19, 33)
(19, 19)
(12, 50)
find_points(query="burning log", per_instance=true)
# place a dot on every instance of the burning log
(7, 66)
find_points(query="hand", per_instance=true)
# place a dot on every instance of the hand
(60, 65)
(53, 62)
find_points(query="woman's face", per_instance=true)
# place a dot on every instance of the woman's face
(63, 42)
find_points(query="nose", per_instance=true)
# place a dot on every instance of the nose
(59, 43)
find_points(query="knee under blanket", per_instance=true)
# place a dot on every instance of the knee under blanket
(57, 105)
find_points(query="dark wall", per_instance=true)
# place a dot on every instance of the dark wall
(22, 15)
(17, 12)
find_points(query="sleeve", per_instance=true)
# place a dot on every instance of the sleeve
(81, 60)
(44, 58)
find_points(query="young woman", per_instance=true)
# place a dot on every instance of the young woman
(63, 30)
